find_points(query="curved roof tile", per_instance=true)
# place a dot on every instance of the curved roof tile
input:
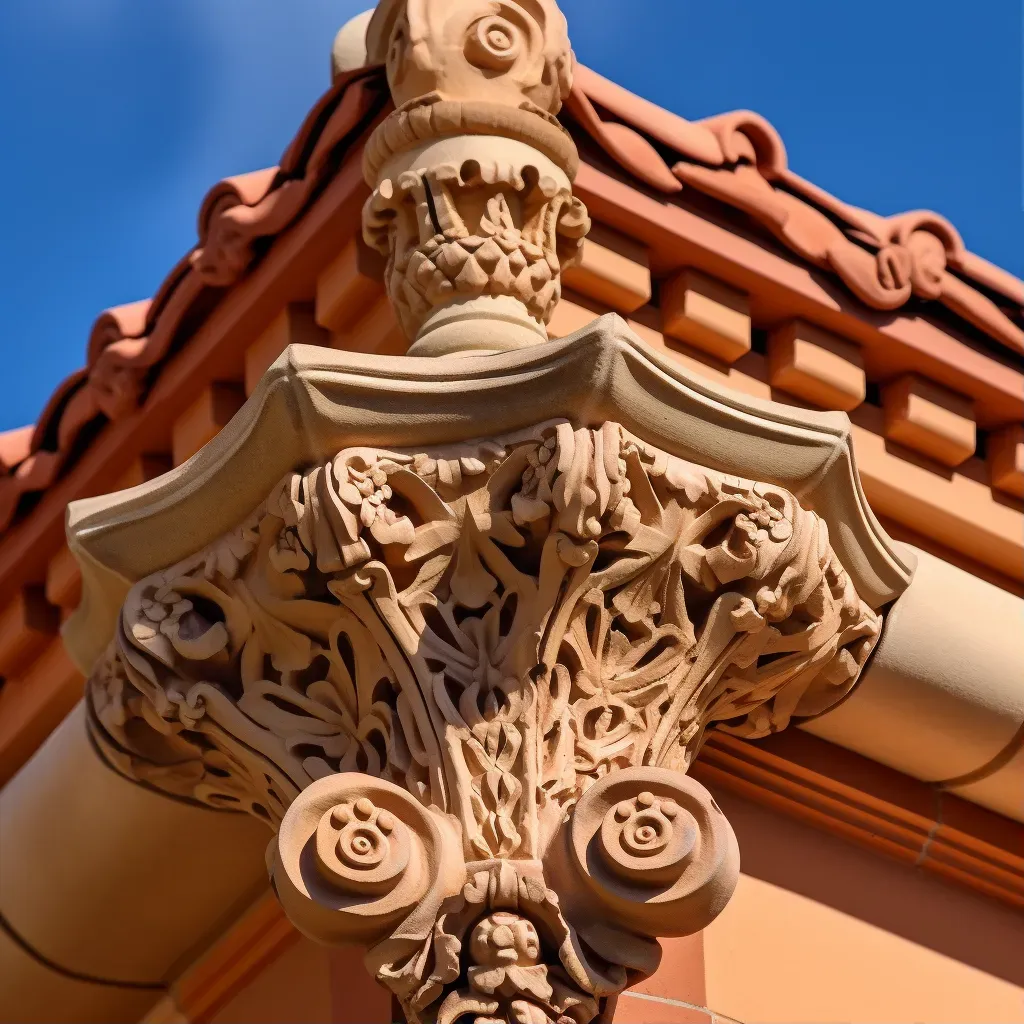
(737, 158)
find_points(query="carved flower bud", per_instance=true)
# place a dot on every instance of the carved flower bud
(493, 43)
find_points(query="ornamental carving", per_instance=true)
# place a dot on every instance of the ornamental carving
(472, 173)
(508, 53)
(465, 685)
(492, 228)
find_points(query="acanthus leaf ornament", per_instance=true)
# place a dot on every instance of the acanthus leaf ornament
(469, 682)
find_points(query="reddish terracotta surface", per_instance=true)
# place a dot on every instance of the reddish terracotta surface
(129, 342)
(740, 159)
(736, 158)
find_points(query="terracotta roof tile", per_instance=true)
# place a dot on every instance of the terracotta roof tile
(128, 343)
(736, 158)
(739, 159)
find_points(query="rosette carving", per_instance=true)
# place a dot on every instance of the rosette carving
(466, 683)
(654, 850)
(355, 855)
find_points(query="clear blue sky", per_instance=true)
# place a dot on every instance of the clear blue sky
(117, 115)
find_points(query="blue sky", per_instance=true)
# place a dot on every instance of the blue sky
(119, 114)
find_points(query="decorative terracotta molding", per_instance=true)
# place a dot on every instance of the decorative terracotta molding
(738, 158)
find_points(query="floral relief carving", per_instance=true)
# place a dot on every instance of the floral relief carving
(465, 685)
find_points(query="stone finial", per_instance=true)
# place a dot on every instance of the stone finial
(509, 54)
(472, 173)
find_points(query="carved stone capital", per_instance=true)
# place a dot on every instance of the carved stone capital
(472, 173)
(464, 684)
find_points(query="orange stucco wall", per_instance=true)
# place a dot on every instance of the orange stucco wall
(819, 932)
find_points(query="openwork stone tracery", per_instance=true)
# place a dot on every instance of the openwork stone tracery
(465, 685)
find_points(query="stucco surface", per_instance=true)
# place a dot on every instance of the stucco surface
(820, 931)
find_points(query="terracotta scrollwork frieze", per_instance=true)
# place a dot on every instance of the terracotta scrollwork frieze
(465, 685)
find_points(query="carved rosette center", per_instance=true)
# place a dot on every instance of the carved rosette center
(465, 685)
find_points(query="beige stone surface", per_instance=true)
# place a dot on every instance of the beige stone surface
(930, 419)
(92, 862)
(942, 697)
(707, 314)
(816, 365)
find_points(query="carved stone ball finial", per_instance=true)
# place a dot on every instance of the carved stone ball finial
(472, 173)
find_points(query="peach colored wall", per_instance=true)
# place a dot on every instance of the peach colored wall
(821, 931)
(295, 987)
(774, 956)
(310, 984)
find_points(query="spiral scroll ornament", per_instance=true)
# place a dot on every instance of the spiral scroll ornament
(656, 851)
(362, 848)
(494, 43)
(354, 855)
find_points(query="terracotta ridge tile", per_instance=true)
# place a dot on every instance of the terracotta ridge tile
(739, 159)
